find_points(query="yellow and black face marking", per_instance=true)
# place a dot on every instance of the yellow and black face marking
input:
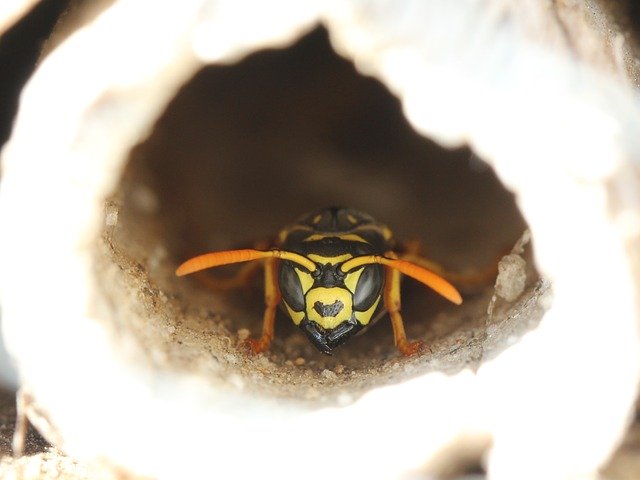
(329, 304)
(331, 272)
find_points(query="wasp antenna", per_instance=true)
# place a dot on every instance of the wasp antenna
(360, 261)
(228, 257)
(216, 259)
(426, 277)
(295, 257)
(421, 274)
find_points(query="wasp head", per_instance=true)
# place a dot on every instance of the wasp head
(330, 305)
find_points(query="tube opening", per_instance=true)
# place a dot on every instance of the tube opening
(244, 150)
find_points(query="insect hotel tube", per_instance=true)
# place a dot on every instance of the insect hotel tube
(210, 132)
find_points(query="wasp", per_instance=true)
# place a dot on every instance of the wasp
(332, 272)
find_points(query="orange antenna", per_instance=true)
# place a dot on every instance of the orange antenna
(227, 257)
(424, 276)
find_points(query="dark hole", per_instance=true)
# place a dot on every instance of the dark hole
(20, 48)
(245, 149)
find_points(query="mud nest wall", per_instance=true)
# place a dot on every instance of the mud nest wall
(180, 143)
(243, 150)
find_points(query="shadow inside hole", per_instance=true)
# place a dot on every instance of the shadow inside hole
(243, 150)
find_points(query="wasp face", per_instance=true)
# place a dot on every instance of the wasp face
(330, 305)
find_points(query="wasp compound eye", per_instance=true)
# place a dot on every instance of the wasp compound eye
(368, 287)
(293, 285)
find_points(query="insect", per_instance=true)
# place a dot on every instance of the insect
(331, 272)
